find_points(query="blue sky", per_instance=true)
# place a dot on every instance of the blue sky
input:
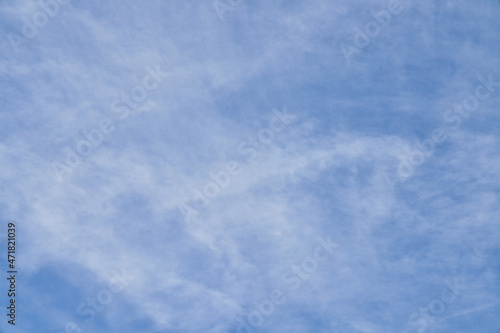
(251, 166)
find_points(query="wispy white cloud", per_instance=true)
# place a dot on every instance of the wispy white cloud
(328, 173)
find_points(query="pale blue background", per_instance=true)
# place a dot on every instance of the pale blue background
(324, 174)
